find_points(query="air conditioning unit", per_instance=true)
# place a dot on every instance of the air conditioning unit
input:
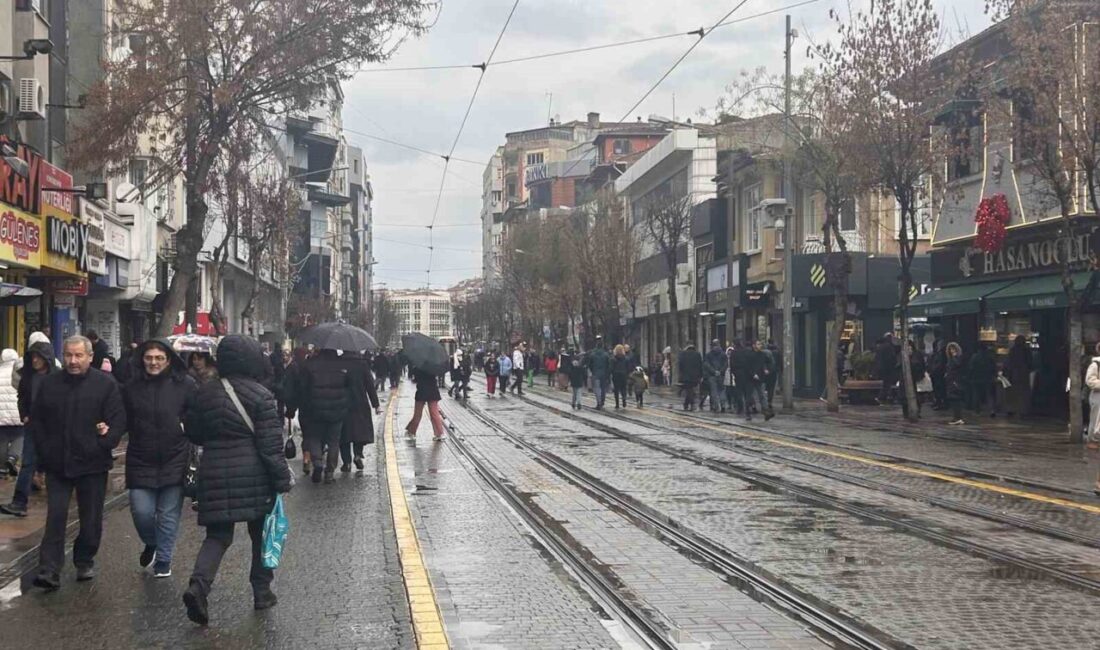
(32, 99)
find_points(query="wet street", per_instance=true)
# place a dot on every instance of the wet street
(536, 526)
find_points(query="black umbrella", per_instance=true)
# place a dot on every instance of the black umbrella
(338, 336)
(425, 353)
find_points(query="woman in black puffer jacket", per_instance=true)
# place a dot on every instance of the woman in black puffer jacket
(242, 468)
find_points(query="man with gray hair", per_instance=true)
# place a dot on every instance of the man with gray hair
(76, 421)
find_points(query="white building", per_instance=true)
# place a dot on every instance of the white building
(427, 312)
(683, 163)
(492, 211)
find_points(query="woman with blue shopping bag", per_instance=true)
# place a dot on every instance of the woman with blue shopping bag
(243, 469)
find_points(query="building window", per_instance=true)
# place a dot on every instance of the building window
(849, 215)
(355, 167)
(750, 202)
(535, 158)
(496, 197)
(620, 147)
(809, 213)
(511, 190)
(967, 140)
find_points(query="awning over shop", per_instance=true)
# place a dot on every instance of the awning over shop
(954, 301)
(15, 295)
(1042, 292)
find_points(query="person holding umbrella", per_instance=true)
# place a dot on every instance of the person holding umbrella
(358, 428)
(427, 361)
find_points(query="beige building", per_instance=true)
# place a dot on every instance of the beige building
(427, 312)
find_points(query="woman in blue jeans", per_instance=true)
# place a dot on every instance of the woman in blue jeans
(157, 398)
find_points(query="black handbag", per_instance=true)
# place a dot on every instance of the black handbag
(290, 449)
(191, 475)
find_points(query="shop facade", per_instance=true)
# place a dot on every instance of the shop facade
(990, 298)
(873, 287)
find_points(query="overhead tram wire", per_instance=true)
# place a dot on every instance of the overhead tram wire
(591, 48)
(458, 137)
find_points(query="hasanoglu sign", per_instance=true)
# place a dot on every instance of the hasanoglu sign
(76, 242)
(20, 238)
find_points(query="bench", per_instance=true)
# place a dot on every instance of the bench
(860, 391)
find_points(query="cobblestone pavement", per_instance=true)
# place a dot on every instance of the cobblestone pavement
(339, 585)
(496, 586)
(697, 607)
(924, 593)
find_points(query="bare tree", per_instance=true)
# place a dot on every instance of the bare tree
(885, 68)
(667, 226)
(383, 318)
(200, 67)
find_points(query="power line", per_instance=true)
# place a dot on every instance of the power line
(458, 136)
(429, 246)
(438, 225)
(591, 48)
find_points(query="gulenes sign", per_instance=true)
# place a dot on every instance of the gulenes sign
(69, 239)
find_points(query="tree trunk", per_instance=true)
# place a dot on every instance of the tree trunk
(832, 376)
(1076, 346)
(188, 245)
(674, 307)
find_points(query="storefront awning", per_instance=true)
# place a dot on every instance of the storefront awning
(954, 301)
(1043, 292)
(16, 295)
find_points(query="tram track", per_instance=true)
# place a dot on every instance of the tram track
(830, 623)
(866, 512)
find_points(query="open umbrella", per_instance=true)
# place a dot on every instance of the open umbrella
(425, 353)
(338, 336)
(193, 343)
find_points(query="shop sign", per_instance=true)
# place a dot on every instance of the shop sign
(69, 286)
(95, 244)
(15, 190)
(20, 238)
(757, 294)
(1019, 257)
(117, 239)
(56, 179)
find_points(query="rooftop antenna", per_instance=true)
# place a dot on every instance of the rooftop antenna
(549, 106)
(673, 107)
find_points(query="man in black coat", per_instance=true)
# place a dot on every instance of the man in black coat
(749, 372)
(100, 350)
(76, 421)
(716, 364)
(689, 365)
(157, 398)
(381, 366)
(324, 398)
(886, 366)
(242, 468)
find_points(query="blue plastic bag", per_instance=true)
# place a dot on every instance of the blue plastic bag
(276, 527)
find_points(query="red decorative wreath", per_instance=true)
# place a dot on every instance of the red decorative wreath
(992, 218)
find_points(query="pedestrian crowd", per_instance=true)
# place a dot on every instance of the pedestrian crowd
(210, 427)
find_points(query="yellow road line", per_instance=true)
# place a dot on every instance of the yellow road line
(947, 478)
(426, 619)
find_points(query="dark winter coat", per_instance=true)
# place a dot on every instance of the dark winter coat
(689, 365)
(917, 366)
(427, 389)
(1018, 372)
(100, 351)
(599, 363)
(886, 359)
(578, 371)
(982, 367)
(30, 381)
(241, 469)
(286, 390)
(323, 388)
(124, 371)
(955, 378)
(716, 363)
(359, 423)
(63, 422)
(621, 366)
(492, 368)
(748, 366)
(381, 365)
(156, 454)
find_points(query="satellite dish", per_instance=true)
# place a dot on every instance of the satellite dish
(126, 192)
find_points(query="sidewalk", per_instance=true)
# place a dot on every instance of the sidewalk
(1031, 452)
(20, 535)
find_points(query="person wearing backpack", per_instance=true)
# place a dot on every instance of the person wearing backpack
(639, 383)
(325, 398)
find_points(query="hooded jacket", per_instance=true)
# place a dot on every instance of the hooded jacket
(30, 381)
(599, 363)
(323, 390)
(34, 338)
(156, 454)
(9, 393)
(241, 469)
(63, 422)
(690, 366)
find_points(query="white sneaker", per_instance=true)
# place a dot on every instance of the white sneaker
(959, 421)
(163, 573)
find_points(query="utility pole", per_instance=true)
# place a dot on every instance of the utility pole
(788, 239)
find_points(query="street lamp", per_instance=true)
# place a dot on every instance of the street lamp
(31, 48)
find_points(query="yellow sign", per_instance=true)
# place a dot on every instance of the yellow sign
(20, 238)
(57, 206)
(52, 258)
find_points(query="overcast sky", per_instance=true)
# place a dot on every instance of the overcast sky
(424, 108)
